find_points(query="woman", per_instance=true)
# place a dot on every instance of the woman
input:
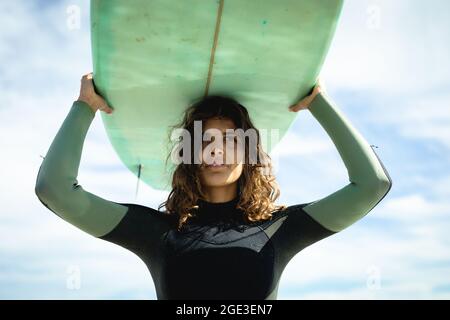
(221, 236)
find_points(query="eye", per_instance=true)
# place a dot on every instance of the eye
(230, 138)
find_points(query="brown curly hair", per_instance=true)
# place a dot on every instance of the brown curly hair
(257, 186)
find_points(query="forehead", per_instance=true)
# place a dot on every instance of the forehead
(218, 123)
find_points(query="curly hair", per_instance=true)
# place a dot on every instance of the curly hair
(257, 187)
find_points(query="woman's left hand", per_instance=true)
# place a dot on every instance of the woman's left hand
(306, 102)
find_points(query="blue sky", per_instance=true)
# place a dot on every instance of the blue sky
(387, 70)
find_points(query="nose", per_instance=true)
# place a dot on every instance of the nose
(216, 151)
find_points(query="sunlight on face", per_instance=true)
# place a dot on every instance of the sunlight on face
(220, 165)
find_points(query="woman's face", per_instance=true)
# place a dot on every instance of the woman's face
(221, 164)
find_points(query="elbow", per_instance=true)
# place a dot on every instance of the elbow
(382, 182)
(385, 186)
(379, 187)
(44, 191)
(41, 190)
(42, 187)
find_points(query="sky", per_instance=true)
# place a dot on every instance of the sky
(387, 70)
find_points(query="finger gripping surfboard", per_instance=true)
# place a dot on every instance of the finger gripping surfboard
(153, 58)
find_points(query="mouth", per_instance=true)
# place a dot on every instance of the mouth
(216, 166)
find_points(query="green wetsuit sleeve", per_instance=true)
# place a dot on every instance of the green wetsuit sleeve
(57, 186)
(369, 180)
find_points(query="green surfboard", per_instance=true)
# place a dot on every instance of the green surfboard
(153, 58)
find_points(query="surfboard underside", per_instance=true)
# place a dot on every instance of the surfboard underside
(152, 59)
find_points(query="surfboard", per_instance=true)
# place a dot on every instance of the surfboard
(153, 58)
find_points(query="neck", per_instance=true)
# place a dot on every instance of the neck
(221, 194)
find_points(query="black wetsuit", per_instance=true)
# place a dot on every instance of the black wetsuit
(216, 255)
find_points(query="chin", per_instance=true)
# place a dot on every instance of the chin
(215, 181)
(219, 178)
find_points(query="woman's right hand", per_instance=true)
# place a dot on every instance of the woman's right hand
(90, 97)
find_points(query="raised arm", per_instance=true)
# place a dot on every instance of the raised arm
(135, 227)
(301, 225)
(369, 180)
(57, 186)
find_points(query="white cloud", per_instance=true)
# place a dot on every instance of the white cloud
(407, 267)
(402, 67)
(293, 144)
(381, 47)
(414, 207)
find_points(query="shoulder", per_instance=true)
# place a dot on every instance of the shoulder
(141, 230)
(286, 211)
(295, 218)
(142, 218)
